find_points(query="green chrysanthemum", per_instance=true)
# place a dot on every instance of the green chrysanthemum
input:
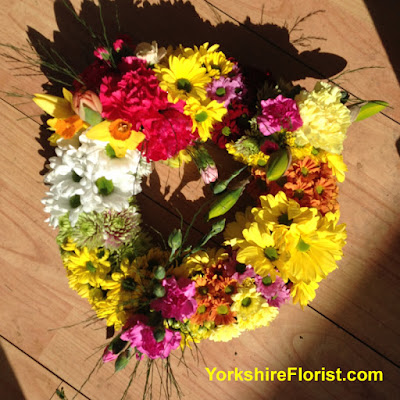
(88, 230)
(120, 227)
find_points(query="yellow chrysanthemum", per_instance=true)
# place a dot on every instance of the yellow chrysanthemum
(225, 333)
(204, 115)
(196, 333)
(198, 52)
(216, 64)
(233, 231)
(87, 268)
(183, 78)
(262, 249)
(247, 302)
(303, 293)
(118, 134)
(261, 318)
(325, 118)
(314, 251)
(126, 286)
(254, 160)
(112, 311)
(198, 262)
(279, 210)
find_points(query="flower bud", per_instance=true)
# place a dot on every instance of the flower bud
(86, 99)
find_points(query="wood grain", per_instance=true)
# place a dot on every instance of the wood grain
(21, 378)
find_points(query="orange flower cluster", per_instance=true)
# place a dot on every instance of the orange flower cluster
(306, 182)
(214, 293)
(310, 184)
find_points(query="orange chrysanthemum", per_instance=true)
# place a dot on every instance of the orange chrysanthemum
(221, 313)
(202, 313)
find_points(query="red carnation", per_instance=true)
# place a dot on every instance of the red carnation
(232, 126)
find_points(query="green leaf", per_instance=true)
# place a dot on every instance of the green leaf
(225, 203)
(371, 108)
(220, 186)
(122, 361)
(92, 117)
(278, 163)
(110, 151)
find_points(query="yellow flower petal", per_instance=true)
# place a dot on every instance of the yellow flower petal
(55, 106)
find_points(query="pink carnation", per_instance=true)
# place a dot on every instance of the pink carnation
(275, 293)
(279, 113)
(178, 302)
(141, 337)
(134, 95)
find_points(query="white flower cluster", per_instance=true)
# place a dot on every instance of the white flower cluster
(86, 179)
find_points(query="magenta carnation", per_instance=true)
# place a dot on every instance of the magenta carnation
(178, 302)
(276, 293)
(134, 95)
(279, 113)
(141, 337)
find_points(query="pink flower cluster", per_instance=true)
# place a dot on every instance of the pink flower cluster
(178, 302)
(277, 114)
(141, 337)
(276, 293)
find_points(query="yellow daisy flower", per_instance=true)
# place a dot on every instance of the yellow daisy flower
(279, 210)
(262, 249)
(184, 78)
(233, 231)
(303, 293)
(261, 318)
(247, 302)
(216, 64)
(204, 115)
(87, 268)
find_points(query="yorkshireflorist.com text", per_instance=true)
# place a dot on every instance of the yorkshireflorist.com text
(294, 373)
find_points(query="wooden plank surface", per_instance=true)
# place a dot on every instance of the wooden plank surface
(361, 297)
(21, 378)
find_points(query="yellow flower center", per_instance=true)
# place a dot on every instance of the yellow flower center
(120, 129)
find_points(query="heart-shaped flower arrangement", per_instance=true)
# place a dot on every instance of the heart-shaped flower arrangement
(138, 104)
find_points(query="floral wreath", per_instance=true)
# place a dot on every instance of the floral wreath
(137, 104)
